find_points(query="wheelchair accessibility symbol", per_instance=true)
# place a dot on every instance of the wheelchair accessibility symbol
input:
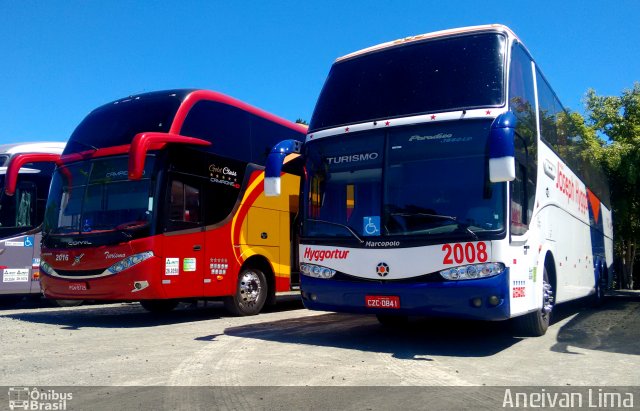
(371, 225)
(28, 241)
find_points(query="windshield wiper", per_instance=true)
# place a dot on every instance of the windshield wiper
(463, 226)
(353, 233)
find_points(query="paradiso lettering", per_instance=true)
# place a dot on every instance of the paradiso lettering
(352, 158)
(570, 187)
(321, 255)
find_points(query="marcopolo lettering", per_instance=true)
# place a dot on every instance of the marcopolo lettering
(352, 158)
(382, 244)
(321, 255)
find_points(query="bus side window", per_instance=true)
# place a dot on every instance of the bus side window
(184, 206)
(522, 104)
(522, 189)
(25, 205)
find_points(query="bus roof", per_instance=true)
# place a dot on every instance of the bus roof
(154, 112)
(427, 36)
(35, 147)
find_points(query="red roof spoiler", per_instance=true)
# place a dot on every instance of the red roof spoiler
(17, 161)
(144, 142)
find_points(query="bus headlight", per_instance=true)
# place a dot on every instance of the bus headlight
(47, 268)
(129, 262)
(473, 271)
(316, 271)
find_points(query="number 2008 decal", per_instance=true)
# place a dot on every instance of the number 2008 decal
(465, 252)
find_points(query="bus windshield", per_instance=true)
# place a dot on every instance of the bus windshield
(428, 180)
(96, 196)
(430, 76)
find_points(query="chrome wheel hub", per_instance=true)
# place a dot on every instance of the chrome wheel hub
(547, 298)
(250, 288)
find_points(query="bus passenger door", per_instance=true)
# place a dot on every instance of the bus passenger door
(523, 276)
(184, 237)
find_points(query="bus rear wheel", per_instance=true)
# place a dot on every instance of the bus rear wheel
(535, 324)
(159, 306)
(251, 293)
(598, 297)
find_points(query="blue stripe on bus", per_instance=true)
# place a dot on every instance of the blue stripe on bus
(443, 299)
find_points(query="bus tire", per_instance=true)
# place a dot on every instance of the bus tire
(251, 293)
(535, 324)
(159, 306)
(597, 299)
(390, 320)
(67, 303)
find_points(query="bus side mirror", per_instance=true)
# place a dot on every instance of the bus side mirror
(275, 160)
(502, 163)
(143, 142)
(17, 161)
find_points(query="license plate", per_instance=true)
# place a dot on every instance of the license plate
(382, 301)
(78, 287)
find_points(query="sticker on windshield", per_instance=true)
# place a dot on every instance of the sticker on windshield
(371, 225)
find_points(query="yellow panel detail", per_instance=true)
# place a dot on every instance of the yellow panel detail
(263, 227)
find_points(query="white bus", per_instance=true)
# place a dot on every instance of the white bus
(444, 178)
(25, 175)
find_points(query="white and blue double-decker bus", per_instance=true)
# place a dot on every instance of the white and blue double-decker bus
(443, 177)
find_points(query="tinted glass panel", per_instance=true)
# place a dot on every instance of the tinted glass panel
(117, 123)
(522, 94)
(547, 110)
(94, 197)
(236, 134)
(184, 203)
(227, 127)
(412, 181)
(436, 75)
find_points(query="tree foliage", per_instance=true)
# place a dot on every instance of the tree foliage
(612, 131)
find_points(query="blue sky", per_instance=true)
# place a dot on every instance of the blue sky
(61, 59)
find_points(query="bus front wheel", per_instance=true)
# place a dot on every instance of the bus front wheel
(251, 293)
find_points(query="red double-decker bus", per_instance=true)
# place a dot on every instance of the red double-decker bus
(158, 198)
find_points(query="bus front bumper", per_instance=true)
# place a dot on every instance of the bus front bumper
(483, 299)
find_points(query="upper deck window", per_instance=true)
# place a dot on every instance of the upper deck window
(117, 123)
(432, 76)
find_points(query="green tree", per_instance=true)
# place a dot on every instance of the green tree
(616, 120)
(301, 121)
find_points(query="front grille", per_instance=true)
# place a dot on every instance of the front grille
(80, 273)
(427, 278)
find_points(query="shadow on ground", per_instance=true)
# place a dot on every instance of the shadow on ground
(614, 327)
(130, 315)
(416, 340)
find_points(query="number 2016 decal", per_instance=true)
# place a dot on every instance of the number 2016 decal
(465, 253)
